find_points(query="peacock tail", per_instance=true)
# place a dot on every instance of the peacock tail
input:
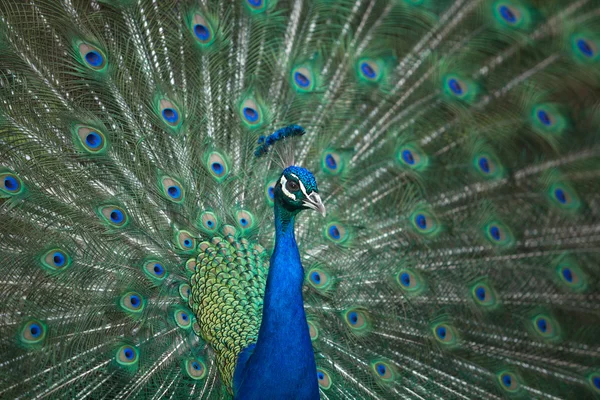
(456, 144)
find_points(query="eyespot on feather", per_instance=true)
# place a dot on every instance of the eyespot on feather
(33, 332)
(508, 381)
(410, 281)
(185, 291)
(357, 320)
(270, 192)
(570, 274)
(172, 189)
(127, 355)
(458, 88)
(545, 327)
(508, 14)
(56, 260)
(483, 295)
(369, 70)
(183, 319)
(332, 162)
(498, 234)
(245, 220)
(195, 368)
(425, 222)
(132, 302)
(487, 166)
(336, 232)
(564, 197)
(155, 270)
(90, 139)
(202, 30)
(318, 279)
(251, 113)
(186, 241)
(484, 165)
(257, 6)
(512, 15)
(422, 221)
(92, 57)
(10, 184)
(594, 381)
(383, 370)
(411, 157)
(584, 48)
(303, 79)
(324, 379)
(445, 334)
(114, 216)
(169, 113)
(217, 166)
(208, 221)
(547, 119)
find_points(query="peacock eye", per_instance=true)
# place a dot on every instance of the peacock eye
(292, 186)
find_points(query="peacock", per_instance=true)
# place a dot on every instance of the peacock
(276, 199)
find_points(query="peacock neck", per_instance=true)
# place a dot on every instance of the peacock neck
(284, 282)
(285, 239)
(282, 364)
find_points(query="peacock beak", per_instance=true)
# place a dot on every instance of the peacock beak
(314, 201)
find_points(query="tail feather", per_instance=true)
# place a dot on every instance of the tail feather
(455, 148)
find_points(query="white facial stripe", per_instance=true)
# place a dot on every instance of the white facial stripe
(301, 186)
(283, 181)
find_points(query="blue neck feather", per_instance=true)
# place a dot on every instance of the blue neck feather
(281, 365)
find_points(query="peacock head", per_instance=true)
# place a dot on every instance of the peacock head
(297, 190)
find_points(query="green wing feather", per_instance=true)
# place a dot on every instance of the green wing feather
(228, 287)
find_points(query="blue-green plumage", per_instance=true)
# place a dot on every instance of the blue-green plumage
(281, 364)
(155, 157)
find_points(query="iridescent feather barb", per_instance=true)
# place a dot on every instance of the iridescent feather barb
(456, 146)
